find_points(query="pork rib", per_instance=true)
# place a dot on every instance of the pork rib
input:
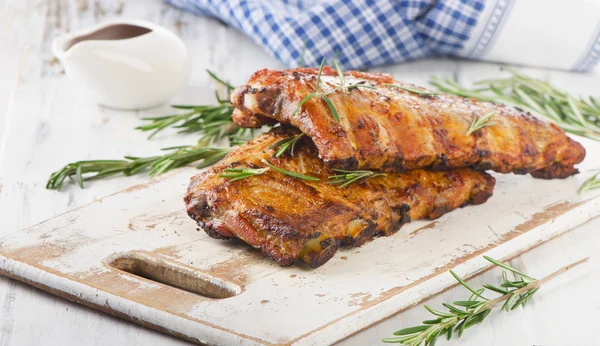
(290, 219)
(390, 129)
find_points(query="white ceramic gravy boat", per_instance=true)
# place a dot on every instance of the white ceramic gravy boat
(126, 64)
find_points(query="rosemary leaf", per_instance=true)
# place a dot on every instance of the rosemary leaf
(411, 330)
(303, 53)
(476, 294)
(436, 312)
(412, 90)
(361, 84)
(178, 107)
(507, 267)
(290, 173)
(436, 321)
(242, 135)
(318, 86)
(467, 303)
(216, 78)
(462, 282)
(303, 101)
(331, 106)
(346, 177)
(235, 174)
(340, 74)
(210, 160)
(590, 183)
(453, 309)
(495, 289)
(79, 174)
(478, 123)
(286, 144)
(576, 110)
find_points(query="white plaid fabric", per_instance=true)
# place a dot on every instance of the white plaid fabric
(365, 33)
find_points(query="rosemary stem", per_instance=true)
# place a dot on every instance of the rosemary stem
(535, 284)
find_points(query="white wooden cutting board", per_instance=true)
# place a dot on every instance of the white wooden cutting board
(74, 256)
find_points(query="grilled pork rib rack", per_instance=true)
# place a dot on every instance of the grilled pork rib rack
(290, 219)
(434, 164)
(389, 129)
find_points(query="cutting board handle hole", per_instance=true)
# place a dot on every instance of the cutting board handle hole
(173, 274)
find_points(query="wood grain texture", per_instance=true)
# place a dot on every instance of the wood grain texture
(44, 123)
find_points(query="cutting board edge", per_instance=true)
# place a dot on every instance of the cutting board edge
(200, 333)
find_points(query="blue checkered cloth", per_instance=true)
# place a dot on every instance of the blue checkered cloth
(366, 33)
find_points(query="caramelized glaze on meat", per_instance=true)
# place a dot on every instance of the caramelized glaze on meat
(392, 130)
(290, 219)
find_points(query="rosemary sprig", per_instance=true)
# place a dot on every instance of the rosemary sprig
(95, 169)
(361, 84)
(343, 87)
(220, 81)
(340, 73)
(579, 116)
(242, 173)
(242, 135)
(213, 122)
(320, 94)
(303, 54)
(478, 123)
(286, 144)
(412, 90)
(331, 107)
(348, 177)
(464, 314)
(590, 183)
(290, 173)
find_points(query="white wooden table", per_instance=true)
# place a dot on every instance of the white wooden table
(45, 123)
